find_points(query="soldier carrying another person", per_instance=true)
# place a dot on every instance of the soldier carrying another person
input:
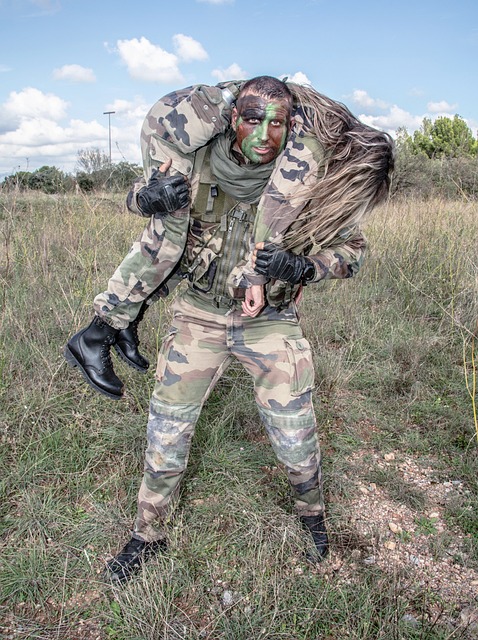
(249, 201)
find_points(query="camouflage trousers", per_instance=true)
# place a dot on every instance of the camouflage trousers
(195, 353)
(142, 274)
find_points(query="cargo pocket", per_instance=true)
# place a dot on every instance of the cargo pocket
(163, 355)
(301, 365)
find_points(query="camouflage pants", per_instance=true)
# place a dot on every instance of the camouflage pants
(143, 270)
(199, 347)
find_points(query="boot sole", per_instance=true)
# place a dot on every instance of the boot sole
(73, 362)
(128, 361)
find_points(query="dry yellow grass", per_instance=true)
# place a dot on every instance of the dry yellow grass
(395, 375)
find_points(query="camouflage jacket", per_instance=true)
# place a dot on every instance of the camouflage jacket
(183, 122)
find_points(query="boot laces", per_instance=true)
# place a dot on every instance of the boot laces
(106, 353)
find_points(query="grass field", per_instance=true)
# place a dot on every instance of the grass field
(396, 390)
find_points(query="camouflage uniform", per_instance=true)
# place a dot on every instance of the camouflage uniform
(215, 238)
(208, 331)
(157, 251)
(175, 128)
(195, 353)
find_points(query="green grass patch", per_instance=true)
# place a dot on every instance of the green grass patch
(391, 350)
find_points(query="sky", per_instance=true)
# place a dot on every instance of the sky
(64, 63)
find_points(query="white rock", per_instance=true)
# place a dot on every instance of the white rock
(410, 620)
(394, 527)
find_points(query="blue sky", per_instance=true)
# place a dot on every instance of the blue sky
(65, 62)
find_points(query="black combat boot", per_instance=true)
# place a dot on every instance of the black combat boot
(316, 526)
(89, 350)
(130, 558)
(127, 342)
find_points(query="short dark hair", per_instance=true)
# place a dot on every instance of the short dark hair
(267, 87)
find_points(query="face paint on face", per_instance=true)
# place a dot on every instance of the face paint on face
(261, 127)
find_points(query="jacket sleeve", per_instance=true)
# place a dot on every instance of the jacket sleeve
(177, 125)
(181, 122)
(340, 259)
(131, 202)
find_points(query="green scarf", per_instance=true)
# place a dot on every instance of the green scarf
(243, 182)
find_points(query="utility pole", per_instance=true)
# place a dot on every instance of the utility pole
(108, 113)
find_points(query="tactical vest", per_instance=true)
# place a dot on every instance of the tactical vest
(218, 239)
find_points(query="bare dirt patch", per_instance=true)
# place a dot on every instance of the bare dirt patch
(410, 538)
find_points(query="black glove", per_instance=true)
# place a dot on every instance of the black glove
(163, 195)
(274, 262)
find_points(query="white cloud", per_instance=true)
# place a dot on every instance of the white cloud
(33, 126)
(396, 117)
(110, 48)
(217, 1)
(233, 72)
(44, 141)
(298, 78)
(4, 68)
(32, 102)
(74, 73)
(129, 110)
(148, 62)
(362, 99)
(473, 124)
(189, 49)
(43, 133)
(391, 121)
(441, 107)
(39, 141)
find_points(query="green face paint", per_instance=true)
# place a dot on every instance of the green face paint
(262, 127)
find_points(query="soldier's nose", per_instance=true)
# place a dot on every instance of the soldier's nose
(264, 133)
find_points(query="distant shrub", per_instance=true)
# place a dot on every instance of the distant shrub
(85, 182)
(46, 179)
(418, 175)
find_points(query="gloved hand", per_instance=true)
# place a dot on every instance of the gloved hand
(163, 195)
(274, 262)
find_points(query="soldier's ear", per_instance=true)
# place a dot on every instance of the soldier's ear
(233, 117)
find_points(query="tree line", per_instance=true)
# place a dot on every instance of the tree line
(440, 158)
(94, 172)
